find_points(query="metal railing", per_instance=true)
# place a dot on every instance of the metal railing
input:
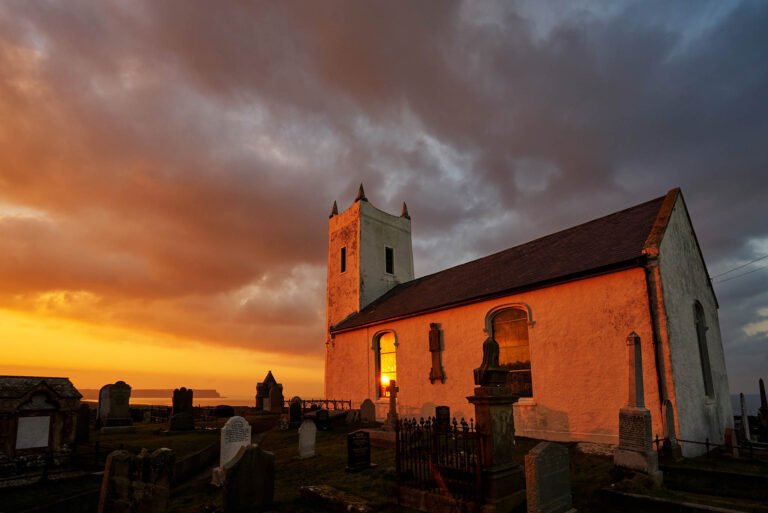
(444, 459)
(326, 404)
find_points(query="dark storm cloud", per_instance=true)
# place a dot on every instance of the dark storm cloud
(182, 158)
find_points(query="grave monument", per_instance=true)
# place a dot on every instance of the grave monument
(114, 413)
(182, 416)
(635, 449)
(235, 434)
(548, 479)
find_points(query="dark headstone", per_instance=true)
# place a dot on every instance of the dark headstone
(358, 451)
(322, 420)
(249, 485)
(83, 429)
(137, 484)
(548, 479)
(114, 409)
(182, 416)
(442, 418)
(367, 412)
(295, 412)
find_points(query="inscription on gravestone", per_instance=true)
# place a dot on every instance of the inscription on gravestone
(33, 432)
(358, 451)
(236, 433)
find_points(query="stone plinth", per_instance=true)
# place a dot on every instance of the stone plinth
(503, 480)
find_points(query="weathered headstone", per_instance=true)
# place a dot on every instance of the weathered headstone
(744, 419)
(250, 481)
(358, 451)
(182, 418)
(235, 434)
(83, 429)
(670, 448)
(276, 401)
(136, 484)
(442, 418)
(307, 439)
(635, 449)
(548, 479)
(352, 416)
(114, 410)
(295, 412)
(322, 420)
(367, 412)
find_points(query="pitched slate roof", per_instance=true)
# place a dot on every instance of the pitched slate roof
(12, 387)
(609, 242)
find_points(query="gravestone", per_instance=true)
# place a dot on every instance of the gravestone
(635, 449)
(442, 418)
(762, 413)
(182, 418)
(744, 419)
(114, 410)
(250, 481)
(322, 420)
(358, 451)
(295, 412)
(235, 434)
(352, 416)
(136, 484)
(307, 439)
(276, 401)
(670, 448)
(83, 428)
(367, 412)
(548, 479)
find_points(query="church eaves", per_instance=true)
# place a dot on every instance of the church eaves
(609, 243)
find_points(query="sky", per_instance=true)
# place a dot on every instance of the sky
(167, 168)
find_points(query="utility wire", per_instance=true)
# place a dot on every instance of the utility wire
(742, 274)
(740, 267)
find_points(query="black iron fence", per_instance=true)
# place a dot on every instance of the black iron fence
(440, 458)
(745, 448)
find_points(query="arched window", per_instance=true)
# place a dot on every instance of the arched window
(510, 330)
(701, 335)
(385, 346)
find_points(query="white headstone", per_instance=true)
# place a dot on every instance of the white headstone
(33, 432)
(236, 433)
(307, 436)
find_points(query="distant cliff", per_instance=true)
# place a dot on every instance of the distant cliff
(152, 393)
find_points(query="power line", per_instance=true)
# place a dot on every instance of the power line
(742, 274)
(740, 267)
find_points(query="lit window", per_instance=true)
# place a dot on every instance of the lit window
(386, 362)
(701, 335)
(343, 259)
(389, 258)
(510, 330)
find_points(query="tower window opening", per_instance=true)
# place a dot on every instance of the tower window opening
(389, 258)
(343, 259)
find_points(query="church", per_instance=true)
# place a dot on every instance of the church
(560, 307)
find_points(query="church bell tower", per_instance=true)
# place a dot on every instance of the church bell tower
(369, 252)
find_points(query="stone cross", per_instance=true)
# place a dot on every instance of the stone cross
(391, 421)
(744, 418)
(548, 479)
(307, 439)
